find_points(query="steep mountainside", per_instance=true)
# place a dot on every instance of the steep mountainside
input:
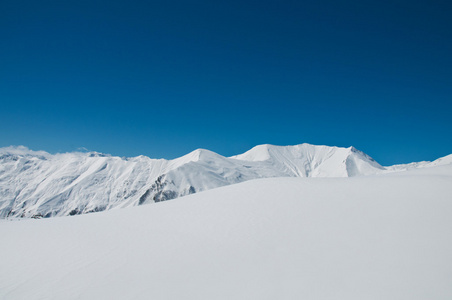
(39, 184)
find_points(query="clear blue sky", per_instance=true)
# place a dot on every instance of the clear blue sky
(162, 78)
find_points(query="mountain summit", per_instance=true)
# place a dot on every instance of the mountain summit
(39, 184)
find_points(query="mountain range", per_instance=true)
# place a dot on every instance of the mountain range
(35, 184)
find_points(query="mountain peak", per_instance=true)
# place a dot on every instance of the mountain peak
(48, 185)
(257, 153)
(198, 154)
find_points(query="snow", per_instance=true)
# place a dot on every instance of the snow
(22, 150)
(384, 236)
(38, 184)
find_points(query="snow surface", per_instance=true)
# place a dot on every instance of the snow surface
(385, 236)
(38, 184)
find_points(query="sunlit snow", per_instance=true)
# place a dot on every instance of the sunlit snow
(383, 236)
(37, 184)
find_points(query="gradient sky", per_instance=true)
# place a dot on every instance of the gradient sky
(162, 78)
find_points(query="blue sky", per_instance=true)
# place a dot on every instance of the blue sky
(162, 78)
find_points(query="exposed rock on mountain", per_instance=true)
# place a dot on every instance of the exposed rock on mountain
(39, 184)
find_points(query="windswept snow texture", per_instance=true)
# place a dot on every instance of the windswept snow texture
(37, 184)
(375, 237)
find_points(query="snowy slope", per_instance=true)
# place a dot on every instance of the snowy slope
(446, 160)
(375, 237)
(38, 184)
(307, 160)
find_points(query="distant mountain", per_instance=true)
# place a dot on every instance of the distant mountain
(371, 237)
(38, 184)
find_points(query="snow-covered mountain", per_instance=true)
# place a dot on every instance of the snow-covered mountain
(39, 184)
(371, 237)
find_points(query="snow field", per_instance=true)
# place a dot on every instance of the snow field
(376, 237)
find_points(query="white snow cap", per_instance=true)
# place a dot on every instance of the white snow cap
(39, 184)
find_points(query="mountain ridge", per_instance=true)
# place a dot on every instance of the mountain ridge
(39, 184)
(388, 236)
